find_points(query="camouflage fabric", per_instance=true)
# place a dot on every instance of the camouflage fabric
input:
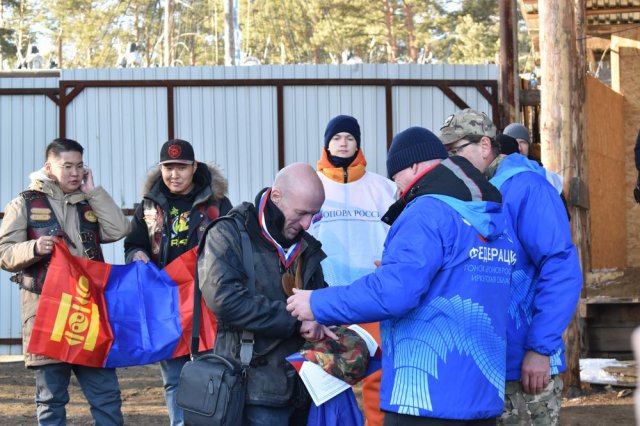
(524, 409)
(467, 122)
(347, 358)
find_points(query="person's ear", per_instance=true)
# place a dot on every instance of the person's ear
(47, 167)
(485, 145)
(276, 196)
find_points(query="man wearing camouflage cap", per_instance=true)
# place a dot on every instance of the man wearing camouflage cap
(443, 333)
(547, 280)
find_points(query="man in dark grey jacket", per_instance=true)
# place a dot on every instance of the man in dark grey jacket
(283, 253)
(181, 196)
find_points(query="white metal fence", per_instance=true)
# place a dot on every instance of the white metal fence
(237, 125)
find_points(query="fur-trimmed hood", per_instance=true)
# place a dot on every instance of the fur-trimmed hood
(217, 182)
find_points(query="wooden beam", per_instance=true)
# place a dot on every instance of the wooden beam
(612, 10)
(557, 59)
(597, 12)
(598, 43)
(280, 121)
(558, 62)
(579, 178)
(605, 30)
(171, 119)
(388, 99)
(508, 68)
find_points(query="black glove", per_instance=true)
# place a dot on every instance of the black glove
(636, 190)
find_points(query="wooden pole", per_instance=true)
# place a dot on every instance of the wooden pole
(562, 129)
(507, 64)
(557, 60)
(578, 200)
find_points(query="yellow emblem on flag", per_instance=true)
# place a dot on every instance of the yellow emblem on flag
(77, 319)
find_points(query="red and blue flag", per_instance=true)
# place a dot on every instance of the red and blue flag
(101, 315)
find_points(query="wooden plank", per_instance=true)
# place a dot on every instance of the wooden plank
(625, 376)
(529, 97)
(610, 339)
(613, 314)
(591, 12)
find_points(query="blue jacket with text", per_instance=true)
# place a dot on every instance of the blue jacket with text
(442, 292)
(547, 279)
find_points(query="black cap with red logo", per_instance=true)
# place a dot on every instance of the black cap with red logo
(177, 151)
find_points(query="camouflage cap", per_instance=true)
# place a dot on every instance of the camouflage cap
(346, 358)
(467, 122)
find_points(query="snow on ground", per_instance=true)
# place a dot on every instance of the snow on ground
(592, 370)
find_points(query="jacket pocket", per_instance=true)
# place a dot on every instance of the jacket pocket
(271, 386)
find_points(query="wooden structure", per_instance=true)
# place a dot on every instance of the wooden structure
(587, 132)
(603, 17)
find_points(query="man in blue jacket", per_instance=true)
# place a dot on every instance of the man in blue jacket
(441, 292)
(547, 279)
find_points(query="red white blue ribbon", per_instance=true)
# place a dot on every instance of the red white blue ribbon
(287, 257)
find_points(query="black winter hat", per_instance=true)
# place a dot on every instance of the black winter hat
(508, 145)
(414, 145)
(342, 123)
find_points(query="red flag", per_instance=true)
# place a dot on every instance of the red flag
(181, 270)
(71, 320)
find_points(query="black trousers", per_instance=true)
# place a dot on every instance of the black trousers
(395, 419)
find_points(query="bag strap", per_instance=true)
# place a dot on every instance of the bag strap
(246, 346)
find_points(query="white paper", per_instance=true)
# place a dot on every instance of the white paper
(321, 385)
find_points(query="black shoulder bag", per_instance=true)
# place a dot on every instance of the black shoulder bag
(212, 388)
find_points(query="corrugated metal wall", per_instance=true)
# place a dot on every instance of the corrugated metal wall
(236, 127)
(27, 122)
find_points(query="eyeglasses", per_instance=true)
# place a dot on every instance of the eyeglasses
(70, 166)
(457, 149)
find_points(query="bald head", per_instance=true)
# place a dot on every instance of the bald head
(298, 192)
(301, 178)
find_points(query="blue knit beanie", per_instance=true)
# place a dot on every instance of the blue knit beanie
(342, 123)
(414, 145)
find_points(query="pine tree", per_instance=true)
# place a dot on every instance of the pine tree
(97, 34)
